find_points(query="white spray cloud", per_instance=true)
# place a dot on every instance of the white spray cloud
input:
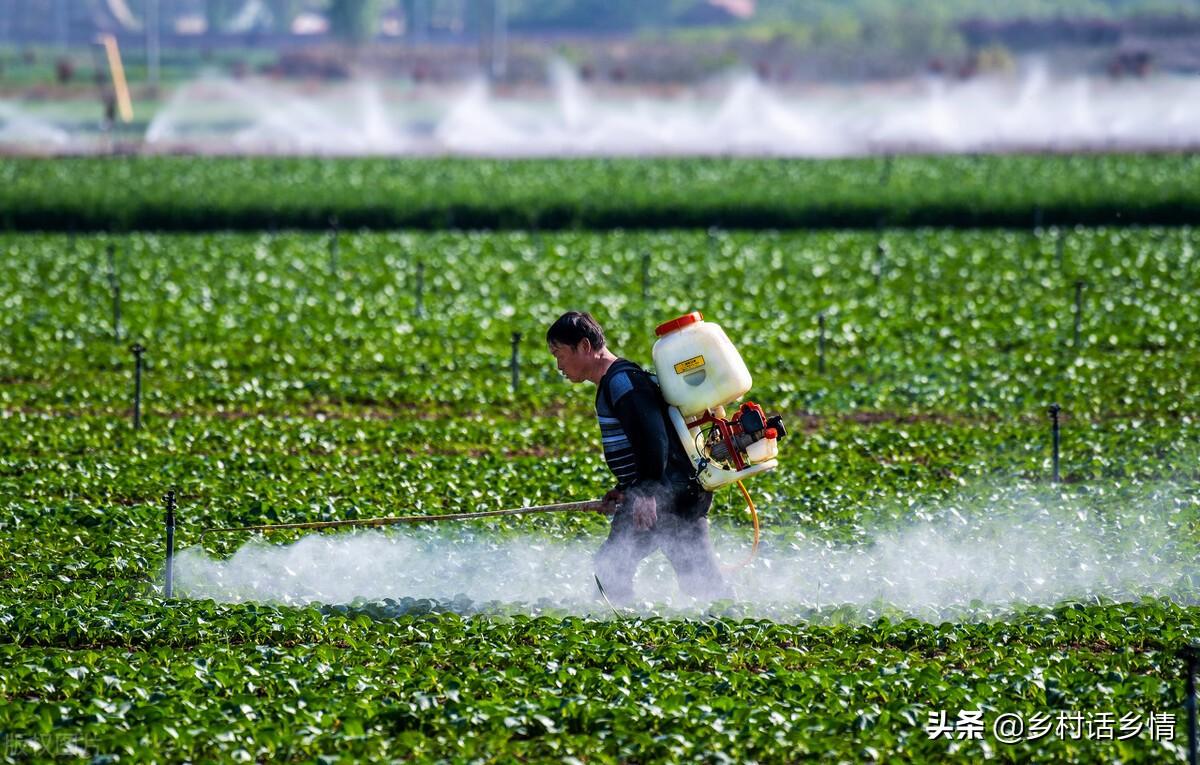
(375, 565)
(19, 128)
(1027, 554)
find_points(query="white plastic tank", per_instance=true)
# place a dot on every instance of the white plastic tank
(697, 367)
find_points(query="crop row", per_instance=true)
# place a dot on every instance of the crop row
(1103, 321)
(841, 473)
(289, 685)
(254, 193)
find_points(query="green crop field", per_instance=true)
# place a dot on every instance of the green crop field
(916, 558)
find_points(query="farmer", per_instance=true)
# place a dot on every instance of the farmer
(657, 502)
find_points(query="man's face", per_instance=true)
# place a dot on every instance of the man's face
(572, 361)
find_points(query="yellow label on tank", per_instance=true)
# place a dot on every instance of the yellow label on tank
(694, 362)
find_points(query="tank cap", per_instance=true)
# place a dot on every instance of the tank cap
(680, 323)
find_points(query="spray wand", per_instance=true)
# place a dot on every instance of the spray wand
(566, 507)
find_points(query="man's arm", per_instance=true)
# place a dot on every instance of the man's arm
(641, 418)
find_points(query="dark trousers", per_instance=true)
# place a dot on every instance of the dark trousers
(683, 538)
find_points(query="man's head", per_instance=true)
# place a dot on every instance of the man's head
(576, 341)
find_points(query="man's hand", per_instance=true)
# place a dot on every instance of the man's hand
(645, 513)
(611, 500)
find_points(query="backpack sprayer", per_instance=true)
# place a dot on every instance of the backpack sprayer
(700, 372)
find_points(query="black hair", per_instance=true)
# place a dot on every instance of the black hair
(573, 327)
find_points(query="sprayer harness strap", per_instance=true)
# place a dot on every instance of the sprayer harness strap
(679, 469)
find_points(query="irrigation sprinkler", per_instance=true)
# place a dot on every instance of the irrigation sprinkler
(1079, 285)
(645, 275)
(115, 287)
(515, 362)
(333, 245)
(1191, 655)
(419, 287)
(137, 349)
(588, 506)
(1056, 438)
(169, 584)
(821, 343)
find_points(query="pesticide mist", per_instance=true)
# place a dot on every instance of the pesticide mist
(996, 552)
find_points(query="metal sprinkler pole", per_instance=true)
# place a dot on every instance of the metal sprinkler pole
(1191, 655)
(516, 361)
(1078, 312)
(420, 289)
(169, 586)
(885, 174)
(645, 275)
(821, 343)
(1054, 410)
(115, 287)
(880, 258)
(333, 246)
(137, 350)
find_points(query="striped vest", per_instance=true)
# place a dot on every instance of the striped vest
(620, 379)
(618, 452)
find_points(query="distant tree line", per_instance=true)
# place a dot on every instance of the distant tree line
(827, 19)
(841, 18)
(904, 25)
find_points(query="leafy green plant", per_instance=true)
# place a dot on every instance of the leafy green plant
(281, 389)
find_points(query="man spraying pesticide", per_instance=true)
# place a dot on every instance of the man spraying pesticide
(668, 444)
(666, 439)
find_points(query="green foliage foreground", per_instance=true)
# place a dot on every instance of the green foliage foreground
(290, 381)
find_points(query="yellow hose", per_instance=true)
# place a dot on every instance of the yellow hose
(754, 519)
